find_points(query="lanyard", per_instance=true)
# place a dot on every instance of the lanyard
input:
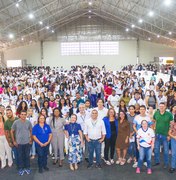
(72, 126)
(94, 123)
(83, 117)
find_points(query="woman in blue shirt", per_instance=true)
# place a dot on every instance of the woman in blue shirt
(42, 136)
(111, 125)
(75, 142)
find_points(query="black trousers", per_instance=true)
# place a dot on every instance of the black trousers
(110, 145)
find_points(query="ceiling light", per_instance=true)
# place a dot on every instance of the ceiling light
(11, 36)
(30, 41)
(52, 31)
(31, 16)
(89, 11)
(47, 27)
(167, 2)
(158, 36)
(151, 13)
(170, 33)
(90, 3)
(132, 25)
(89, 17)
(140, 21)
(40, 22)
(149, 38)
(22, 39)
(127, 30)
(17, 5)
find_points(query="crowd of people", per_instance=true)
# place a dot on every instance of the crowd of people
(86, 113)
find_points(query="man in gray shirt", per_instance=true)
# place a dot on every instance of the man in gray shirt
(21, 133)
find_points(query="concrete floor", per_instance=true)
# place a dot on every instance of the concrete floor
(114, 172)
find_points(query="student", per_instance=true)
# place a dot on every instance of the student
(145, 145)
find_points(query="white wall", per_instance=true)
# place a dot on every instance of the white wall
(127, 55)
(149, 50)
(30, 52)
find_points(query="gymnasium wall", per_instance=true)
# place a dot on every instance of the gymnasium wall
(127, 55)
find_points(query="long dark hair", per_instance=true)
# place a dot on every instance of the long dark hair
(36, 106)
(45, 111)
(124, 114)
(53, 116)
(20, 107)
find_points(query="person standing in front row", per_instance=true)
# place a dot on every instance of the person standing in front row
(21, 133)
(145, 145)
(95, 133)
(75, 140)
(162, 120)
(42, 136)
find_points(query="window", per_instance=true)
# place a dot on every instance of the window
(71, 48)
(14, 63)
(90, 48)
(109, 48)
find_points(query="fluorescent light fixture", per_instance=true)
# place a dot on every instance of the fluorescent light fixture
(22, 39)
(17, 5)
(47, 27)
(52, 31)
(170, 33)
(89, 11)
(140, 21)
(40, 22)
(149, 38)
(158, 36)
(31, 16)
(132, 25)
(167, 2)
(89, 17)
(151, 13)
(90, 3)
(127, 30)
(11, 36)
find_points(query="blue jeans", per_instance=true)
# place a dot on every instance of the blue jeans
(145, 152)
(24, 156)
(132, 149)
(93, 100)
(33, 151)
(94, 145)
(42, 153)
(173, 156)
(161, 139)
(15, 153)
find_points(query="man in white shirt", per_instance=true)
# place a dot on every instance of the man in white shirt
(82, 117)
(100, 87)
(94, 132)
(113, 100)
(161, 98)
(136, 100)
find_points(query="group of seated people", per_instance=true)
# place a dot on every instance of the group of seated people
(86, 114)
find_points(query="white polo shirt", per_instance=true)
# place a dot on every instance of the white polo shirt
(102, 113)
(81, 119)
(145, 137)
(94, 129)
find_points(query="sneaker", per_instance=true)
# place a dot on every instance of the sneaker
(27, 171)
(135, 165)
(118, 161)
(21, 172)
(149, 171)
(129, 160)
(138, 171)
(46, 168)
(108, 163)
(112, 161)
(98, 166)
(145, 164)
(171, 170)
(89, 166)
(40, 170)
(123, 161)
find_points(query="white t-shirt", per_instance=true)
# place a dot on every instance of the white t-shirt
(102, 113)
(114, 100)
(145, 137)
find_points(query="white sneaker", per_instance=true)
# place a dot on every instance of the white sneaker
(135, 165)
(129, 160)
(118, 161)
(112, 161)
(108, 163)
(145, 164)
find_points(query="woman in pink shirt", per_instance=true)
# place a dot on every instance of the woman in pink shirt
(5, 149)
